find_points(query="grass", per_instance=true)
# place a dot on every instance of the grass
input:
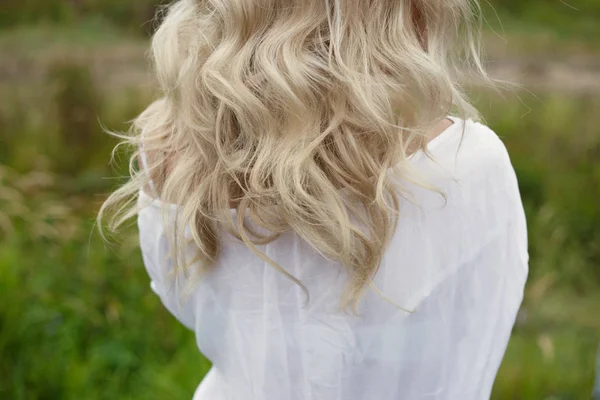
(82, 324)
(555, 365)
(77, 317)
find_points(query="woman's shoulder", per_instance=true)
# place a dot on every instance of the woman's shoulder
(469, 164)
(467, 150)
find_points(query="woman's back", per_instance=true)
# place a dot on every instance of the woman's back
(451, 282)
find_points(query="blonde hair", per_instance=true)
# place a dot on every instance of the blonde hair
(299, 111)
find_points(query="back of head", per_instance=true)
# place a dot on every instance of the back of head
(279, 105)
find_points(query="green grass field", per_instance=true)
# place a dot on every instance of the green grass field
(77, 317)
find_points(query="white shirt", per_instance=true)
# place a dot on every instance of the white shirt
(461, 267)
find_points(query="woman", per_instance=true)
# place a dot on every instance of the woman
(318, 203)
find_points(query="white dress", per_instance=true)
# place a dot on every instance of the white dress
(460, 267)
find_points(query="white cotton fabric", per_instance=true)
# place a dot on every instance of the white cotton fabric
(460, 267)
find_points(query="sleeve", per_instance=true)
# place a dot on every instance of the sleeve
(154, 246)
(465, 321)
(481, 303)
(452, 347)
(488, 291)
(478, 305)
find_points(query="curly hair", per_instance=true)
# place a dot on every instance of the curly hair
(299, 113)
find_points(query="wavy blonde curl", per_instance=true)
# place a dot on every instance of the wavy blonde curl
(299, 113)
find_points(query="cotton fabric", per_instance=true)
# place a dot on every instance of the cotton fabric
(453, 277)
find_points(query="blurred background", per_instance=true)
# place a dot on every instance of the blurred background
(77, 317)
